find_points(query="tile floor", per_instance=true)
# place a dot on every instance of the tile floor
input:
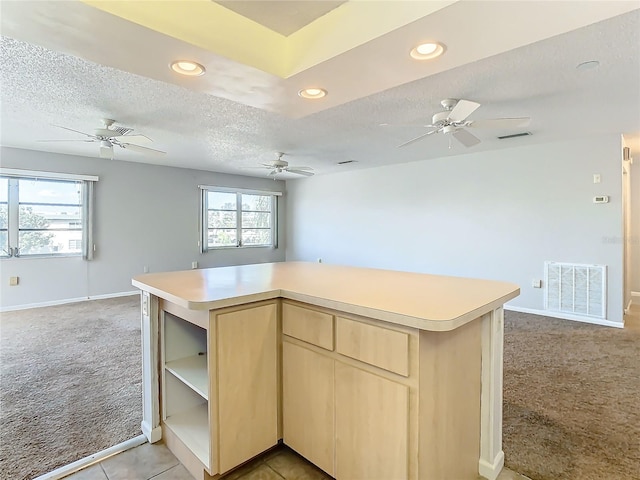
(158, 463)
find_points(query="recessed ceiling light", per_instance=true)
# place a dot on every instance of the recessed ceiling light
(187, 67)
(591, 64)
(426, 51)
(312, 93)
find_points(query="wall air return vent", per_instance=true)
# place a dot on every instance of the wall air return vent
(515, 135)
(576, 289)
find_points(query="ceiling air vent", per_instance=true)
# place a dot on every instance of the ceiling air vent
(345, 162)
(523, 134)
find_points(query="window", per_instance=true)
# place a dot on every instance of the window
(238, 218)
(44, 214)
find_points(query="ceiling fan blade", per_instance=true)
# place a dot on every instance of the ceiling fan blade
(77, 140)
(77, 131)
(500, 123)
(273, 172)
(466, 138)
(462, 110)
(106, 152)
(301, 168)
(417, 138)
(138, 138)
(405, 125)
(140, 149)
(300, 172)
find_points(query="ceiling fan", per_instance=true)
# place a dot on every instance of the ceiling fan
(282, 166)
(453, 121)
(113, 135)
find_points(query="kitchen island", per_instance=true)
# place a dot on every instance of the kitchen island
(367, 373)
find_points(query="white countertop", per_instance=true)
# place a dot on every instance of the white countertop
(427, 302)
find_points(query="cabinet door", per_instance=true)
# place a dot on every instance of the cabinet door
(371, 426)
(308, 405)
(247, 384)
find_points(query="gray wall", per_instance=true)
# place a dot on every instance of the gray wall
(145, 216)
(496, 215)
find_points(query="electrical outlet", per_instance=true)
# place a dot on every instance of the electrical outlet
(13, 281)
(194, 264)
(145, 269)
(596, 178)
(535, 283)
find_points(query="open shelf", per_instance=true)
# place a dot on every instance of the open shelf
(192, 427)
(193, 372)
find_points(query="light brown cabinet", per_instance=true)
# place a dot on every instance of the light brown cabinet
(220, 385)
(372, 426)
(247, 384)
(308, 404)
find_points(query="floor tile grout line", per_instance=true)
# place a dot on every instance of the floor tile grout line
(160, 473)
(274, 470)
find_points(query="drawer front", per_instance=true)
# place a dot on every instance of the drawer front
(308, 325)
(381, 347)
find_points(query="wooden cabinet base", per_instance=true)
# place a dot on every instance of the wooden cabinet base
(185, 455)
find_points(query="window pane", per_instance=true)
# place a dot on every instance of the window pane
(253, 219)
(4, 244)
(4, 215)
(221, 201)
(222, 237)
(36, 243)
(222, 219)
(49, 191)
(4, 190)
(260, 203)
(50, 217)
(256, 237)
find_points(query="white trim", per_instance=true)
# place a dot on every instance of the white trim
(91, 459)
(565, 316)
(240, 190)
(635, 298)
(17, 172)
(67, 300)
(152, 435)
(491, 454)
(491, 470)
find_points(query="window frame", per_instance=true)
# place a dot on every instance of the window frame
(239, 192)
(14, 176)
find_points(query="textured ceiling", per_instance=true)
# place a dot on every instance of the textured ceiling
(42, 87)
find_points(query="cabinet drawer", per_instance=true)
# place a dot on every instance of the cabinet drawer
(308, 325)
(381, 347)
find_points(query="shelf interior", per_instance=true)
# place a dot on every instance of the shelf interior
(193, 372)
(192, 428)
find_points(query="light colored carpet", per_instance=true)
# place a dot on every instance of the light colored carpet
(571, 399)
(70, 383)
(70, 386)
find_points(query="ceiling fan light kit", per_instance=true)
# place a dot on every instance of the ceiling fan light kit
(454, 120)
(111, 135)
(282, 166)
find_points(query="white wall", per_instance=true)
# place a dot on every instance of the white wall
(496, 215)
(145, 216)
(634, 238)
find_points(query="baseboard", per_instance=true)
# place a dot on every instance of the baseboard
(491, 471)
(67, 300)
(635, 298)
(153, 435)
(565, 316)
(91, 459)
